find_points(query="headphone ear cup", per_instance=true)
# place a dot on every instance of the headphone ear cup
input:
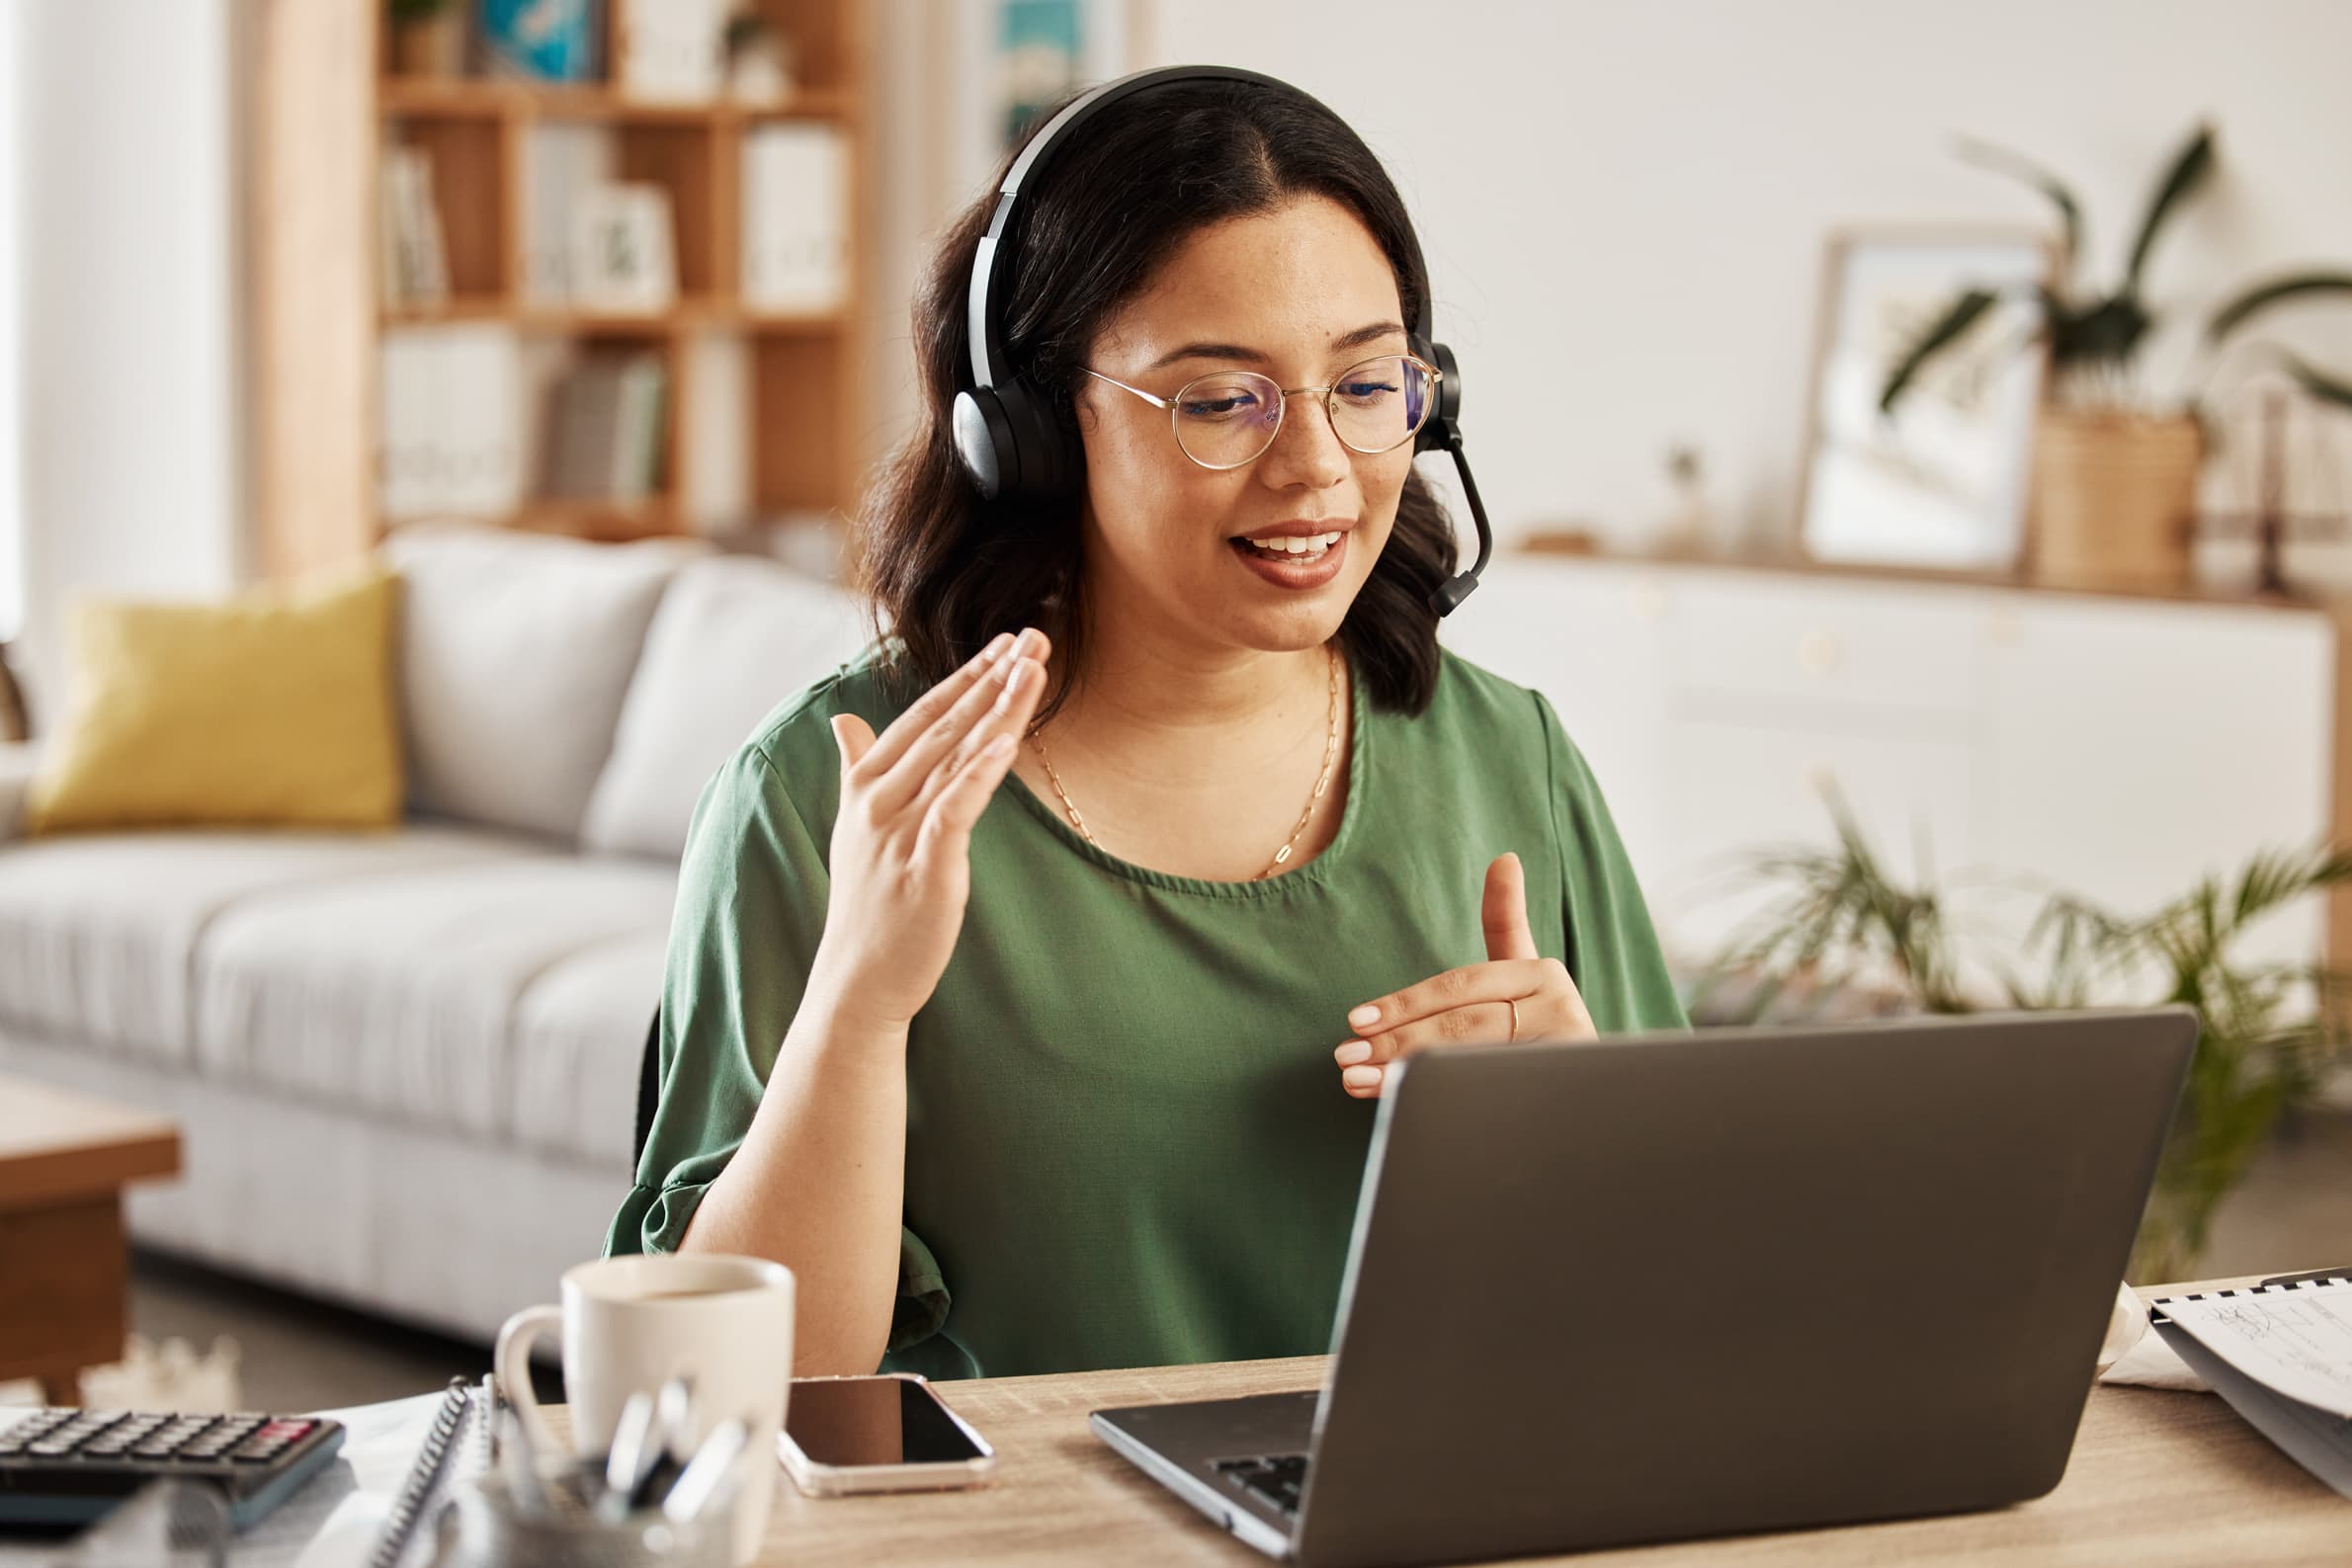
(1045, 469)
(1439, 426)
(984, 440)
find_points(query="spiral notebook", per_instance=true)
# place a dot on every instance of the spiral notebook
(460, 1443)
(2282, 1355)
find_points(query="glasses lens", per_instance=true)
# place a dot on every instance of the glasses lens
(1379, 403)
(1224, 420)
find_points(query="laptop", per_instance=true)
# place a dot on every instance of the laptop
(1671, 1285)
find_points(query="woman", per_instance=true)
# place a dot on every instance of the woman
(1035, 977)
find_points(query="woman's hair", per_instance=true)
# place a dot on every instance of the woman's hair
(951, 569)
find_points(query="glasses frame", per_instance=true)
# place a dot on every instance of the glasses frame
(1322, 394)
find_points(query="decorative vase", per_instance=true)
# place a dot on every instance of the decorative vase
(433, 45)
(2114, 497)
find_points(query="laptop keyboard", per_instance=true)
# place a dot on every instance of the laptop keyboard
(1280, 1479)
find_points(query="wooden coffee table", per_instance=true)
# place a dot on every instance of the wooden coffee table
(64, 1266)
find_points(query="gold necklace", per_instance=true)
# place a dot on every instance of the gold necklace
(1321, 784)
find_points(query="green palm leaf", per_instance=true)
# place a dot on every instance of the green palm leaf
(2000, 158)
(2189, 169)
(2328, 388)
(2261, 297)
(1960, 315)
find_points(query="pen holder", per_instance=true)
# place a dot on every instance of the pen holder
(486, 1524)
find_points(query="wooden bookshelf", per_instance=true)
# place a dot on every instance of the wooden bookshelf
(326, 109)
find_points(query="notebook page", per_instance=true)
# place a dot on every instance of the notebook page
(2294, 1339)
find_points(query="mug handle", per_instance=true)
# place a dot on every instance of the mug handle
(512, 1362)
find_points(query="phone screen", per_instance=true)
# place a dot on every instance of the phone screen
(852, 1421)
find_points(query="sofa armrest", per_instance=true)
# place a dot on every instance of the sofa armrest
(19, 761)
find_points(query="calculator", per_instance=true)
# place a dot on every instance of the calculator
(64, 1466)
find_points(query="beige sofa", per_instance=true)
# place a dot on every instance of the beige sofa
(406, 1063)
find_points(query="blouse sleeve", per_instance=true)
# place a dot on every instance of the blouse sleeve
(1614, 953)
(751, 902)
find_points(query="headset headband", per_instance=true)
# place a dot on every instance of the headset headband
(982, 306)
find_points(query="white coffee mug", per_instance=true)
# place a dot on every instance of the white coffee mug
(633, 1322)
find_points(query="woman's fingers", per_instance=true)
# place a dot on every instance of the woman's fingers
(854, 736)
(1481, 1004)
(1456, 988)
(1364, 1063)
(908, 779)
(1016, 702)
(948, 824)
(929, 709)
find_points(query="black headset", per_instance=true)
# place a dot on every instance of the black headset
(1009, 435)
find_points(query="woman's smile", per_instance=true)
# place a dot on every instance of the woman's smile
(1296, 562)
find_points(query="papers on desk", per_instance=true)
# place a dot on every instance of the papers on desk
(2282, 1355)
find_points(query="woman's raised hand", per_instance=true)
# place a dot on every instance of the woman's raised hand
(1473, 1005)
(901, 868)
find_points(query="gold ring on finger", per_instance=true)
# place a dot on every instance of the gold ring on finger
(1514, 1007)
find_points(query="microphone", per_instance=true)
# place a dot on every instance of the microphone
(1449, 595)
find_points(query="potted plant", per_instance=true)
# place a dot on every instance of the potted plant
(2115, 466)
(1844, 938)
(428, 37)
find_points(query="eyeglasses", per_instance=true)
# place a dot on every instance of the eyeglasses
(1228, 418)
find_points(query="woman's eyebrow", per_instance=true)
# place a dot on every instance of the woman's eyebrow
(1235, 351)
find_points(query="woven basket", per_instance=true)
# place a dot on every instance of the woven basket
(2115, 498)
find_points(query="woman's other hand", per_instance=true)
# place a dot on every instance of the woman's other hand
(1471, 1004)
(901, 867)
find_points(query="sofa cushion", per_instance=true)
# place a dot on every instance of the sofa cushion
(412, 997)
(732, 638)
(516, 650)
(273, 708)
(577, 1035)
(98, 932)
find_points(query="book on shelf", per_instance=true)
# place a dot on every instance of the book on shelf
(540, 40)
(562, 160)
(796, 218)
(605, 429)
(414, 261)
(450, 438)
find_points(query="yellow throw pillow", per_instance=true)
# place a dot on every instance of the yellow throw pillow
(275, 708)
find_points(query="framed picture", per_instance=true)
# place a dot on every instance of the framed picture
(1940, 480)
(624, 255)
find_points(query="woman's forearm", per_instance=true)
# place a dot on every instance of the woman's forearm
(819, 1183)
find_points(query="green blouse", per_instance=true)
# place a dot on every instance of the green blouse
(1126, 1142)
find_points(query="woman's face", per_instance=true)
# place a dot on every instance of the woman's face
(1298, 295)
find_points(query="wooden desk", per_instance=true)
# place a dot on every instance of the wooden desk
(2158, 1480)
(64, 1271)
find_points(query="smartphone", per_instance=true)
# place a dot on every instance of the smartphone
(887, 1433)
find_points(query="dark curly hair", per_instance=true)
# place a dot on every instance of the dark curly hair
(945, 569)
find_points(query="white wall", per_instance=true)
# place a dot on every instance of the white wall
(12, 479)
(1623, 205)
(128, 367)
